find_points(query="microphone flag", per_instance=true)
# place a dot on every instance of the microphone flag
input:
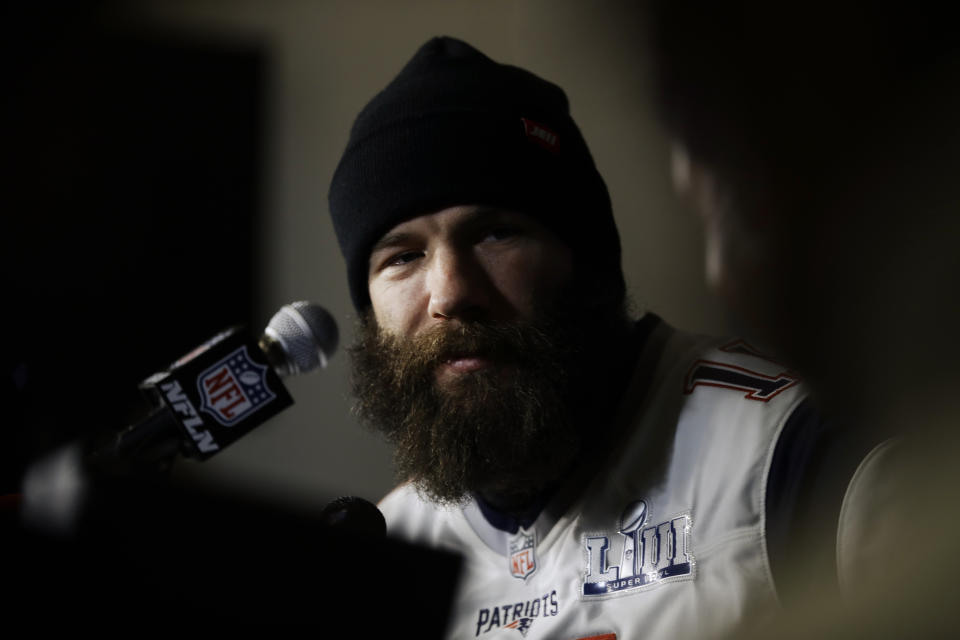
(219, 391)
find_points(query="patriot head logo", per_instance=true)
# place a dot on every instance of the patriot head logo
(522, 625)
(234, 388)
(523, 554)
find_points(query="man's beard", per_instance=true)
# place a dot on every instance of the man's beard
(506, 432)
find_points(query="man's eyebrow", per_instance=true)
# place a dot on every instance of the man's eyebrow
(392, 240)
(483, 216)
(485, 210)
(485, 213)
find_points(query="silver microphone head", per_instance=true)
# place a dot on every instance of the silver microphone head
(306, 334)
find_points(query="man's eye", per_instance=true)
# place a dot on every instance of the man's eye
(501, 233)
(403, 258)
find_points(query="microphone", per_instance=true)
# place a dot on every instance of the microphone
(300, 337)
(230, 384)
(201, 403)
(351, 514)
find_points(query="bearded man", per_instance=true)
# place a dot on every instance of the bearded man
(602, 476)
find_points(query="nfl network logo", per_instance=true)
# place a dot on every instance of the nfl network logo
(523, 556)
(234, 388)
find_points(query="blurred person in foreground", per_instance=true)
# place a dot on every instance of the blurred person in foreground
(820, 144)
(603, 475)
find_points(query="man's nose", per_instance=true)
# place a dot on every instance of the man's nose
(458, 285)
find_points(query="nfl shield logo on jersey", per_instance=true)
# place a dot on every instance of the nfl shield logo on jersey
(234, 388)
(523, 553)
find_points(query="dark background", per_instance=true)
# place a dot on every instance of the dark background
(132, 190)
(132, 195)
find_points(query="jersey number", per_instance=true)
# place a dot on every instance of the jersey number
(727, 376)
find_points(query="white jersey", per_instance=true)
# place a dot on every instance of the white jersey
(662, 539)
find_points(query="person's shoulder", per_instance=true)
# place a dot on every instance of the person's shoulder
(735, 364)
(869, 521)
(724, 367)
(401, 493)
(414, 517)
(403, 503)
(719, 382)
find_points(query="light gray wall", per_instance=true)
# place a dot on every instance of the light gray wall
(327, 59)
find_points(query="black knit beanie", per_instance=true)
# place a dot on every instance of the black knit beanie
(456, 128)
